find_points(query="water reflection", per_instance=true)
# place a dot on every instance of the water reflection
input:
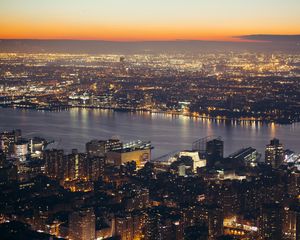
(167, 132)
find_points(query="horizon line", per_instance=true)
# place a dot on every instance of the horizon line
(238, 40)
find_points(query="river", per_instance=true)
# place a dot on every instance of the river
(73, 128)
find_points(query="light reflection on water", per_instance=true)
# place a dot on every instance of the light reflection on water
(72, 129)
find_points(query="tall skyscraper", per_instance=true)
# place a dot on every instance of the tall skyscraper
(76, 166)
(214, 151)
(54, 163)
(294, 183)
(95, 167)
(291, 225)
(82, 224)
(271, 222)
(124, 227)
(215, 222)
(274, 154)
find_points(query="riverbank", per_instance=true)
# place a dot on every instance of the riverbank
(168, 112)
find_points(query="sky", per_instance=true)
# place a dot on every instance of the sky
(140, 20)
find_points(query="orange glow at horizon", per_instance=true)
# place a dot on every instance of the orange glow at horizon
(141, 20)
(123, 33)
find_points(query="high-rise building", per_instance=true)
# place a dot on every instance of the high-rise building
(124, 227)
(8, 139)
(54, 163)
(291, 223)
(163, 224)
(139, 218)
(215, 222)
(229, 199)
(274, 154)
(294, 183)
(271, 222)
(95, 167)
(76, 166)
(214, 151)
(129, 225)
(2, 159)
(21, 149)
(8, 173)
(297, 225)
(82, 224)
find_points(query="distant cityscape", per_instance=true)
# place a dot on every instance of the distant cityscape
(114, 190)
(240, 86)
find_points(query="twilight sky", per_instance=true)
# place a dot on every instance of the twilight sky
(124, 20)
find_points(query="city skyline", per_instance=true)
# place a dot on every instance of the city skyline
(147, 21)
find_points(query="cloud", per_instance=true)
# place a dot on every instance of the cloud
(270, 38)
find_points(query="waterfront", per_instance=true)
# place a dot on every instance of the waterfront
(73, 128)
